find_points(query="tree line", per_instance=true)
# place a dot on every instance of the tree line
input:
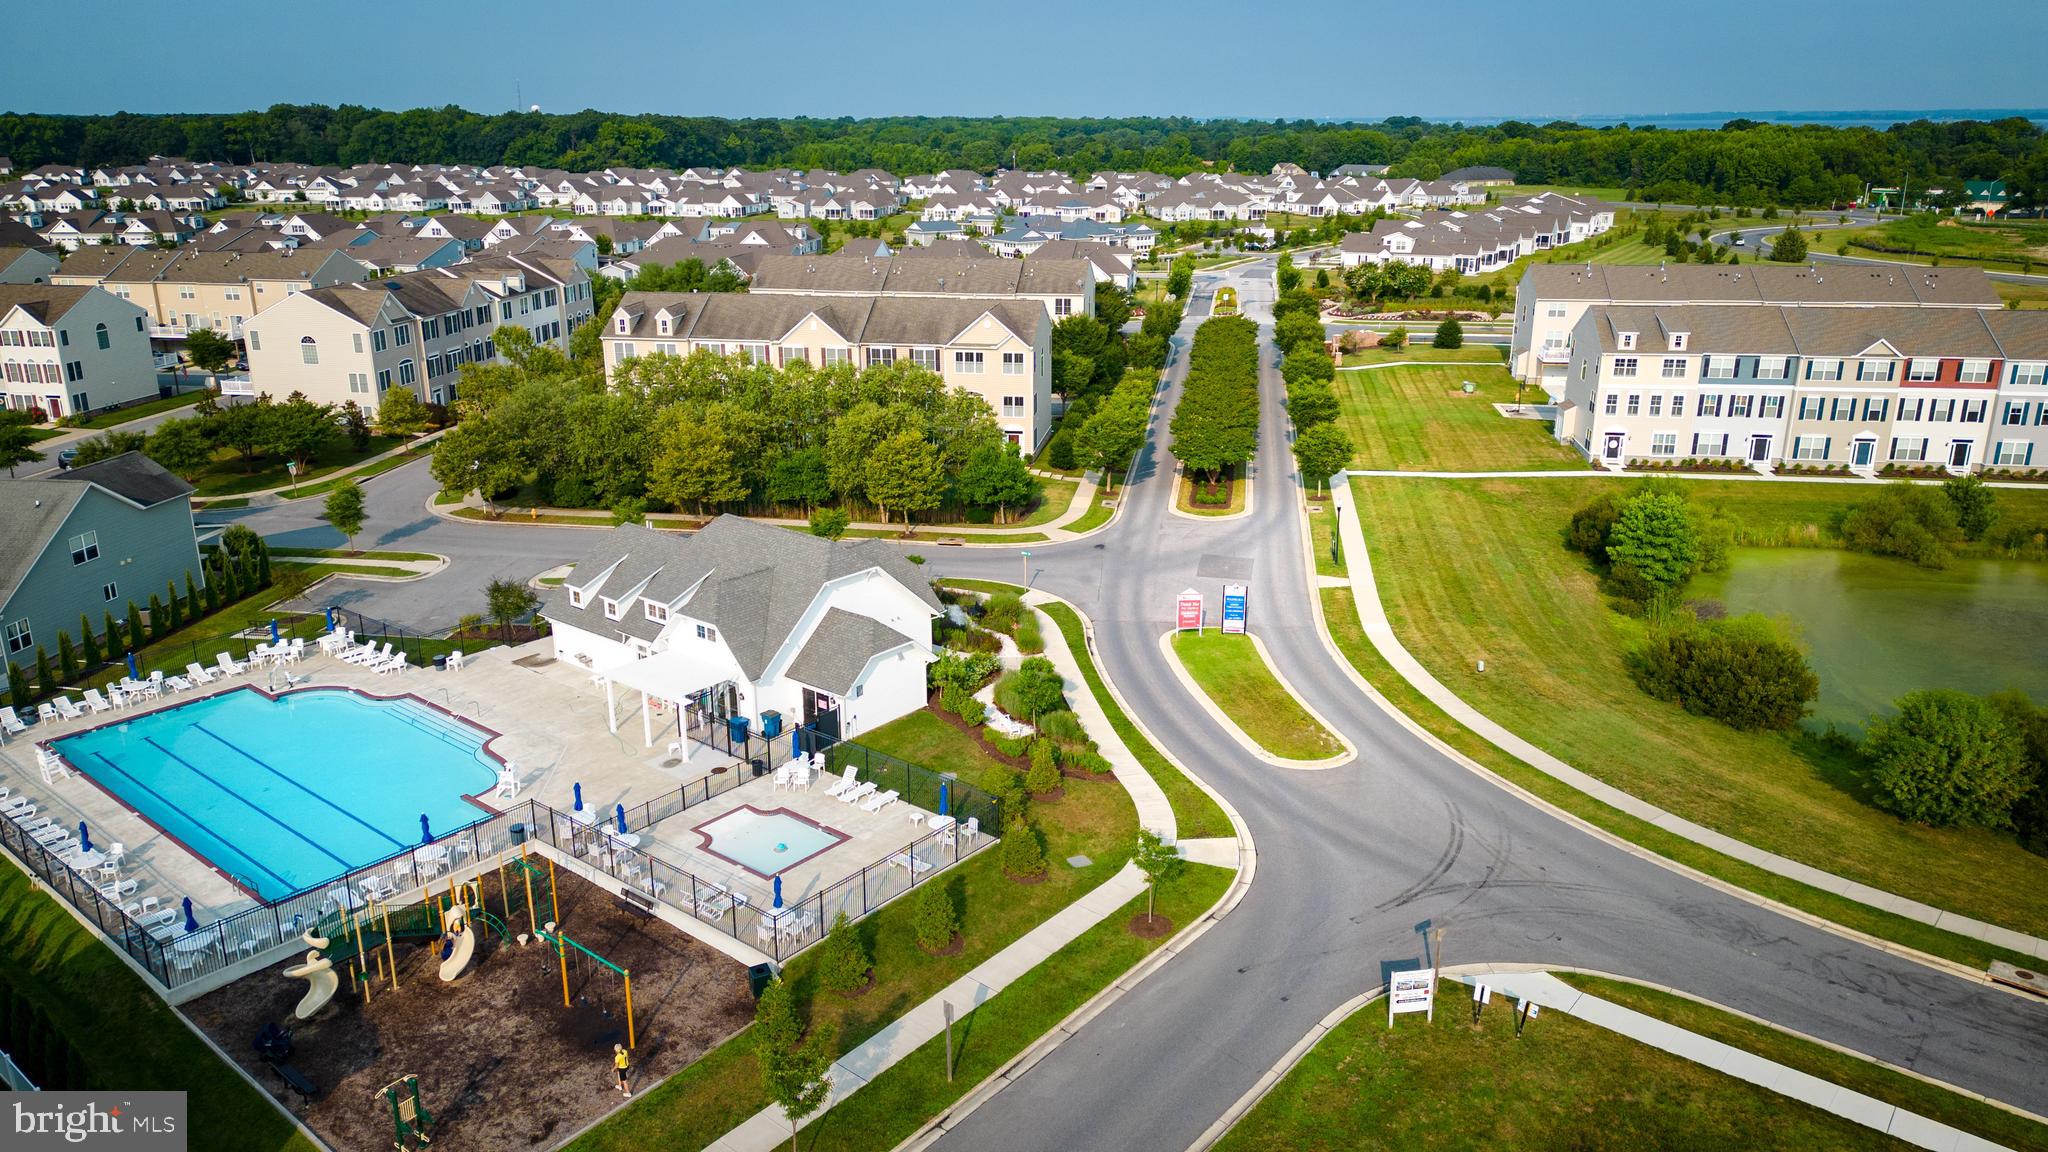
(1216, 424)
(1310, 373)
(1743, 162)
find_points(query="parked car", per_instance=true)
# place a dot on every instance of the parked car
(67, 457)
(1741, 240)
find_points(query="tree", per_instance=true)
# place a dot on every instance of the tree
(505, 601)
(1907, 520)
(1309, 365)
(344, 509)
(828, 523)
(108, 445)
(1740, 672)
(478, 455)
(1789, 247)
(1310, 405)
(1044, 774)
(1449, 334)
(1181, 278)
(46, 680)
(18, 691)
(934, 918)
(2030, 815)
(16, 441)
(1286, 276)
(904, 473)
(402, 413)
(1976, 504)
(181, 446)
(159, 623)
(1394, 339)
(1320, 451)
(996, 475)
(796, 1074)
(1298, 332)
(1653, 547)
(209, 352)
(355, 425)
(1023, 856)
(242, 427)
(1111, 438)
(89, 642)
(844, 965)
(1158, 860)
(299, 429)
(112, 633)
(136, 642)
(800, 478)
(174, 606)
(1947, 758)
(694, 464)
(1112, 306)
(67, 657)
(191, 597)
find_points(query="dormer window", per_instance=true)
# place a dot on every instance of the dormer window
(657, 611)
(611, 608)
(1678, 341)
(575, 597)
(661, 324)
(625, 324)
(1628, 339)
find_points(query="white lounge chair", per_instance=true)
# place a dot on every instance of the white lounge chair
(96, 702)
(911, 863)
(179, 684)
(397, 663)
(10, 722)
(120, 889)
(46, 712)
(376, 887)
(879, 801)
(67, 709)
(846, 782)
(294, 651)
(198, 674)
(53, 766)
(858, 792)
(228, 665)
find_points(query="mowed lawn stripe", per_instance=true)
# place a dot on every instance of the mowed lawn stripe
(1417, 417)
(1234, 675)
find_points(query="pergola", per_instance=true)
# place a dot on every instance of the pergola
(669, 676)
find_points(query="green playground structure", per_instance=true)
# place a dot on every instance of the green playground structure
(411, 1123)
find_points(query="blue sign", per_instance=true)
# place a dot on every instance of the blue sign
(1233, 608)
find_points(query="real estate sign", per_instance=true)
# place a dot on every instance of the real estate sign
(1187, 611)
(1413, 991)
(1233, 608)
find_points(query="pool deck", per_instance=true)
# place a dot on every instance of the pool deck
(550, 721)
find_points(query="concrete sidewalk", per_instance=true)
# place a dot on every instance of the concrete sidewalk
(1372, 616)
(1154, 810)
(1549, 992)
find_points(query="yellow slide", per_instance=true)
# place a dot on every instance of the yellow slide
(321, 980)
(460, 943)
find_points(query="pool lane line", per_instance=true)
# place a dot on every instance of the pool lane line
(258, 761)
(346, 867)
(192, 820)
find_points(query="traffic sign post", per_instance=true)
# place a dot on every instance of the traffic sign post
(1187, 611)
(1233, 609)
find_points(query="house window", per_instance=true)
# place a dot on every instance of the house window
(1910, 450)
(309, 350)
(1770, 368)
(1879, 370)
(1923, 369)
(1974, 371)
(575, 597)
(705, 632)
(1624, 366)
(1013, 363)
(1678, 403)
(1656, 403)
(255, 341)
(1674, 368)
(405, 372)
(110, 591)
(657, 612)
(85, 547)
(968, 363)
(1720, 367)
(2013, 452)
(377, 340)
(1973, 411)
(1911, 409)
(18, 636)
(2029, 373)
(402, 335)
(1664, 444)
(927, 358)
(1062, 306)
(1678, 341)
(1810, 407)
(1824, 370)
(1941, 410)
(611, 608)
(1013, 406)
(881, 356)
(841, 355)
(1628, 340)
(1612, 400)
(1738, 406)
(2015, 413)
(1635, 404)
(1876, 409)
(1553, 310)
(100, 334)
(1710, 404)
(1809, 448)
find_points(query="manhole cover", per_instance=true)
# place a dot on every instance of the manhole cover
(1079, 861)
(534, 661)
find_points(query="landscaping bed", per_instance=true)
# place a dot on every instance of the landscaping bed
(1202, 498)
(502, 1064)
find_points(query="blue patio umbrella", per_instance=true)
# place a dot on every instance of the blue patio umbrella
(579, 796)
(330, 619)
(134, 672)
(191, 921)
(945, 794)
(796, 744)
(273, 630)
(620, 809)
(84, 838)
(426, 830)
(778, 891)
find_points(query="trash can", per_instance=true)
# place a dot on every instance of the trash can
(736, 729)
(441, 662)
(771, 724)
(759, 765)
(518, 833)
(759, 977)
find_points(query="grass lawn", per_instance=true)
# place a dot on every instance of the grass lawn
(277, 551)
(1902, 1091)
(129, 1039)
(1472, 570)
(1518, 191)
(227, 475)
(1479, 354)
(322, 487)
(2019, 246)
(1094, 818)
(1565, 1084)
(933, 534)
(1238, 680)
(146, 408)
(227, 502)
(1322, 528)
(1419, 418)
(2022, 295)
(319, 569)
(1096, 516)
(1053, 499)
(1184, 497)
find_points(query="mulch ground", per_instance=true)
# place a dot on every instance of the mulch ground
(1020, 763)
(502, 1064)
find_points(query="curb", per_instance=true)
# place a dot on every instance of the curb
(1251, 498)
(1250, 745)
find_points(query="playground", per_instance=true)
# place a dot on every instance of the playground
(500, 1062)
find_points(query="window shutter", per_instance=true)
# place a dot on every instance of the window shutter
(1695, 443)
(1895, 448)
(1827, 447)
(1724, 443)
(2030, 451)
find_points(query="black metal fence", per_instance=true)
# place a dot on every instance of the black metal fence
(419, 647)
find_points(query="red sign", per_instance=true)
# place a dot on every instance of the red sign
(1187, 611)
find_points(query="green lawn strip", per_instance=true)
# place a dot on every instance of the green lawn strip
(1196, 815)
(316, 569)
(374, 468)
(1478, 355)
(1475, 570)
(146, 408)
(1094, 818)
(1339, 609)
(128, 1038)
(227, 476)
(887, 1109)
(1564, 1084)
(1238, 680)
(1420, 418)
(1322, 527)
(39, 434)
(224, 502)
(1053, 500)
(599, 519)
(1097, 515)
(1895, 1088)
(277, 550)
(932, 535)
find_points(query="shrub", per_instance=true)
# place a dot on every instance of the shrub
(157, 620)
(973, 711)
(1449, 334)
(89, 644)
(845, 964)
(1590, 525)
(1394, 339)
(1023, 853)
(1947, 758)
(1002, 611)
(1738, 671)
(1033, 689)
(1030, 638)
(46, 680)
(776, 1025)
(828, 523)
(1085, 760)
(1045, 769)
(1010, 745)
(1059, 451)
(2030, 815)
(934, 918)
(952, 698)
(67, 657)
(18, 693)
(1063, 726)
(1653, 544)
(1975, 502)
(1905, 520)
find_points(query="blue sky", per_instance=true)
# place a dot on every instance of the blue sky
(1318, 58)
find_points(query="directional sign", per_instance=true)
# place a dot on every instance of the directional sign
(1413, 991)
(1233, 608)
(1187, 611)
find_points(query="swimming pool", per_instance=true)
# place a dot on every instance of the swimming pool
(765, 843)
(288, 793)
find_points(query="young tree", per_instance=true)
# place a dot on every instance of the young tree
(16, 442)
(995, 475)
(844, 965)
(1181, 278)
(67, 657)
(1158, 860)
(1286, 276)
(111, 631)
(1394, 339)
(181, 446)
(136, 641)
(1947, 758)
(904, 474)
(191, 596)
(828, 523)
(299, 429)
(89, 642)
(18, 691)
(1044, 774)
(1790, 246)
(1449, 334)
(242, 427)
(402, 413)
(796, 1074)
(505, 601)
(1298, 332)
(158, 621)
(1023, 856)
(1112, 436)
(46, 680)
(934, 918)
(1312, 404)
(1654, 541)
(344, 509)
(1976, 504)
(1320, 451)
(174, 607)
(355, 425)
(108, 445)
(209, 352)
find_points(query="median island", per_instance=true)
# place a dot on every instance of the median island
(1234, 675)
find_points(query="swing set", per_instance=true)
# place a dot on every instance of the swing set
(596, 978)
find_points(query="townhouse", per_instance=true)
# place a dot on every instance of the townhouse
(415, 330)
(1063, 287)
(186, 289)
(998, 349)
(26, 265)
(1865, 388)
(1550, 298)
(1479, 241)
(68, 350)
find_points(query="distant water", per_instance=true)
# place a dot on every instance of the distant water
(1856, 118)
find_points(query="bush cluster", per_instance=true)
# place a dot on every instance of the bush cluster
(1034, 689)
(1738, 671)
(1216, 424)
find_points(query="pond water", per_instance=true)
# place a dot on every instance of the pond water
(1876, 629)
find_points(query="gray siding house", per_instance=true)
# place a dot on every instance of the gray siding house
(87, 542)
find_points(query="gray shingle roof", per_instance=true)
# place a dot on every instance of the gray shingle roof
(133, 475)
(839, 648)
(1760, 284)
(30, 513)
